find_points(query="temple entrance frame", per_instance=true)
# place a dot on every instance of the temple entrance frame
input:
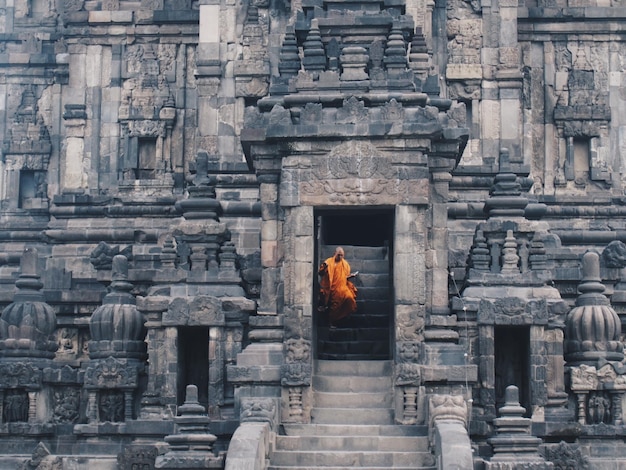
(362, 229)
(410, 291)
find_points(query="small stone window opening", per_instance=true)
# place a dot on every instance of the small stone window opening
(140, 160)
(512, 363)
(146, 158)
(28, 188)
(193, 362)
(582, 154)
(472, 122)
(469, 118)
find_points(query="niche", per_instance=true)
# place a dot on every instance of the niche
(512, 363)
(193, 362)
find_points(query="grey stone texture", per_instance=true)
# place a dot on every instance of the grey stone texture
(172, 173)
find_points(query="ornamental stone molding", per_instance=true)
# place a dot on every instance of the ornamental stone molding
(585, 378)
(447, 407)
(259, 410)
(111, 373)
(20, 375)
(198, 311)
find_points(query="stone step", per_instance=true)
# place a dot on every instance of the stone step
(377, 307)
(347, 384)
(349, 443)
(366, 294)
(355, 368)
(353, 400)
(351, 416)
(352, 334)
(355, 254)
(354, 430)
(364, 280)
(366, 318)
(360, 346)
(299, 467)
(344, 459)
(371, 266)
(353, 357)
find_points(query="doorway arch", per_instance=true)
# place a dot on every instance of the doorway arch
(366, 235)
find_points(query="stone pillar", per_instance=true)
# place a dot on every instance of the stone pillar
(299, 271)
(216, 370)
(72, 171)
(538, 372)
(439, 240)
(555, 369)
(271, 252)
(509, 79)
(159, 399)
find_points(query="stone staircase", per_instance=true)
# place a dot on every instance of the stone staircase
(365, 335)
(352, 424)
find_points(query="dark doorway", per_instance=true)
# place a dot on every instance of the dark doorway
(512, 363)
(366, 235)
(356, 228)
(193, 362)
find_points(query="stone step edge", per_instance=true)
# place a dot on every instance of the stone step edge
(368, 429)
(381, 368)
(289, 467)
(404, 444)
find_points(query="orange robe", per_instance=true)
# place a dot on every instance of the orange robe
(337, 293)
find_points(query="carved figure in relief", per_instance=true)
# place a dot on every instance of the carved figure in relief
(15, 406)
(337, 295)
(599, 409)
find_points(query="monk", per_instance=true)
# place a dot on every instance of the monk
(337, 292)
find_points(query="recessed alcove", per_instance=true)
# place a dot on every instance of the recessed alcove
(193, 362)
(512, 363)
(366, 235)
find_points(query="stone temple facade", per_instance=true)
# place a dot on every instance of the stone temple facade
(172, 173)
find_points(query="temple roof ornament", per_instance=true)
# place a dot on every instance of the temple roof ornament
(506, 199)
(28, 323)
(117, 327)
(592, 327)
(202, 203)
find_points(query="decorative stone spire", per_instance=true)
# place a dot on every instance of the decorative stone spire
(117, 327)
(592, 326)
(168, 253)
(418, 55)
(27, 111)
(510, 259)
(150, 68)
(314, 55)
(353, 62)
(506, 198)
(479, 258)
(27, 324)
(513, 445)
(191, 446)
(289, 59)
(395, 53)
(202, 203)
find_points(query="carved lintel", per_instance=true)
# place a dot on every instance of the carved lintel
(20, 375)
(111, 373)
